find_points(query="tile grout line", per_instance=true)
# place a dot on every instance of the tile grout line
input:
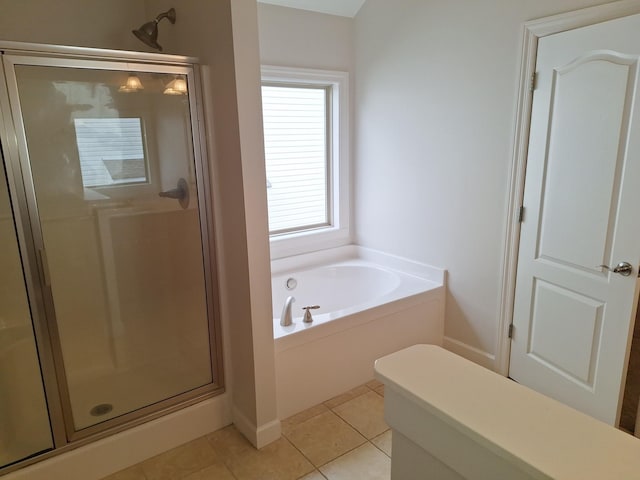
(317, 467)
(331, 409)
(353, 426)
(217, 455)
(303, 455)
(348, 452)
(378, 446)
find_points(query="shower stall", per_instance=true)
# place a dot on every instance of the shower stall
(108, 294)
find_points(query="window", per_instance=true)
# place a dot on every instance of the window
(296, 156)
(305, 115)
(111, 151)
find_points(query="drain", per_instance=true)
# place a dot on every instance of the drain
(291, 284)
(101, 409)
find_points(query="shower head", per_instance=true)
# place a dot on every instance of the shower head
(148, 32)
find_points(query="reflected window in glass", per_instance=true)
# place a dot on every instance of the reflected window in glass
(111, 151)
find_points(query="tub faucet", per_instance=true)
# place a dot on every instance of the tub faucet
(285, 317)
(307, 313)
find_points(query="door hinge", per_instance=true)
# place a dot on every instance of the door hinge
(533, 84)
(510, 332)
(521, 214)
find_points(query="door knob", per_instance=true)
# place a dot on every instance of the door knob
(623, 268)
(180, 193)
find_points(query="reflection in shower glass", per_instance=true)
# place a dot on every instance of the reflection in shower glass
(110, 151)
(24, 422)
(126, 265)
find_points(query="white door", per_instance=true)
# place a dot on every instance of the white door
(572, 318)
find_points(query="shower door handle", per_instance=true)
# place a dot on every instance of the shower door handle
(180, 193)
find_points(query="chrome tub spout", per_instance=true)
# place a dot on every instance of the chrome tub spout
(286, 318)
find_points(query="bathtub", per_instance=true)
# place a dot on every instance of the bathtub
(371, 304)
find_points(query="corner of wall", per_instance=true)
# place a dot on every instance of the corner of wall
(259, 436)
(473, 354)
(244, 19)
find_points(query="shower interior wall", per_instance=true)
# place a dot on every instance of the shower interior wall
(207, 30)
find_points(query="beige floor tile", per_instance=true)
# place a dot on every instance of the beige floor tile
(363, 463)
(314, 476)
(181, 461)
(380, 390)
(345, 397)
(383, 442)
(298, 418)
(365, 413)
(229, 442)
(132, 473)
(373, 384)
(324, 437)
(214, 472)
(277, 461)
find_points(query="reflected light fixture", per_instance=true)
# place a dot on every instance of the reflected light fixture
(148, 33)
(133, 84)
(177, 86)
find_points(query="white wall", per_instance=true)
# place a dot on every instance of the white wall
(436, 86)
(298, 38)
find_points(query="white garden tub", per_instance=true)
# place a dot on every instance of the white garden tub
(371, 304)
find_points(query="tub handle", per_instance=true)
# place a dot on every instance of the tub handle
(307, 313)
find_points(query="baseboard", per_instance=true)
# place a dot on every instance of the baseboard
(473, 354)
(258, 436)
(117, 452)
(269, 432)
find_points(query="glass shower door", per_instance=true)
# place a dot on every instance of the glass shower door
(115, 192)
(24, 421)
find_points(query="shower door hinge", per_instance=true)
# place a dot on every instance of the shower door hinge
(510, 332)
(534, 78)
(521, 214)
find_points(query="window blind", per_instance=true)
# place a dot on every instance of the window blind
(296, 155)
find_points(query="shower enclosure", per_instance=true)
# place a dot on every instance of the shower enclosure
(108, 307)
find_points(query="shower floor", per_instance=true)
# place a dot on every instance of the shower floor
(134, 388)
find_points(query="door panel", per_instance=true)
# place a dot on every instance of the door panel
(580, 328)
(588, 111)
(24, 419)
(572, 318)
(114, 196)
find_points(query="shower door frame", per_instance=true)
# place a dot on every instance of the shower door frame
(23, 198)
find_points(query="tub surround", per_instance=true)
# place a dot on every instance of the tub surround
(337, 351)
(453, 417)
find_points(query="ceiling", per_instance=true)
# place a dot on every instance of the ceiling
(343, 8)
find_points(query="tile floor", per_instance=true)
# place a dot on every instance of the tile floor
(344, 438)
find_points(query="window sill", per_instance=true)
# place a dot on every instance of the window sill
(306, 242)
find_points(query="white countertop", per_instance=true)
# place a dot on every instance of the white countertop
(522, 426)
